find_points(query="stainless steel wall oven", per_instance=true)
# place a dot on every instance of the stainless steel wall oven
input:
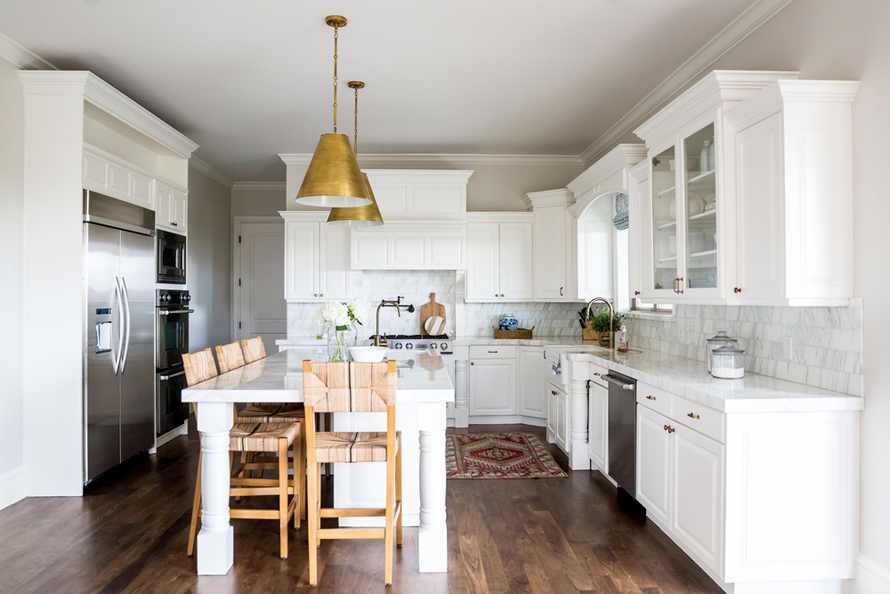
(172, 341)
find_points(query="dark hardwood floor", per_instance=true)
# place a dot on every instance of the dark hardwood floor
(129, 533)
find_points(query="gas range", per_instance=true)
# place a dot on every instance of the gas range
(439, 342)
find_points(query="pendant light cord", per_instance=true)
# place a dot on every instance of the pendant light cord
(355, 132)
(336, 35)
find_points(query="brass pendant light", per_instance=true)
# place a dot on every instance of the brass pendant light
(359, 216)
(334, 178)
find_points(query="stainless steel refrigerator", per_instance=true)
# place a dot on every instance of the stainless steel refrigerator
(118, 359)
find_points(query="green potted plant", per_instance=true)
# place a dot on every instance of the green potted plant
(599, 323)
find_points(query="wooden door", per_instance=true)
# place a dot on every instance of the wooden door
(262, 310)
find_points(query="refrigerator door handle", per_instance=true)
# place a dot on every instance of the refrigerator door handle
(116, 356)
(126, 299)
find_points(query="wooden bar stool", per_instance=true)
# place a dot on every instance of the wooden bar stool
(253, 348)
(352, 387)
(252, 437)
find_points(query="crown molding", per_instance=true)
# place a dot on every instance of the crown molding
(21, 56)
(109, 100)
(448, 159)
(701, 61)
(211, 172)
(548, 198)
(260, 186)
(623, 155)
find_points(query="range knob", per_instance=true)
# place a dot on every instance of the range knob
(444, 346)
(434, 346)
(166, 297)
(409, 346)
(397, 345)
(187, 298)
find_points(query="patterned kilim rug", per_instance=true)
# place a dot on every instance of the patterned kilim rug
(498, 456)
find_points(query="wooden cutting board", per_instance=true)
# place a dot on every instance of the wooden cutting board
(432, 310)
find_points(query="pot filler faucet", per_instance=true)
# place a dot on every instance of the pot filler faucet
(396, 304)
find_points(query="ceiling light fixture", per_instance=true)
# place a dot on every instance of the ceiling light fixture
(359, 216)
(333, 178)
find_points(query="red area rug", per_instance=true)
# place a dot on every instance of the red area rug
(498, 456)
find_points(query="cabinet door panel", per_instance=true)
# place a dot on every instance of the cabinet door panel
(759, 210)
(697, 497)
(550, 393)
(407, 251)
(444, 199)
(654, 464)
(141, 191)
(595, 240)
(118, 182)
(164, 214)
(531, 383)
(550, 253)
(516, 255)
(369, 251)
(179, 210)
(561, 420)
(95, 173)
(301, 260)
(482, 261)
(493, 387)
(391, 198)
(663, 240)
(445, 253)
(597, 426)
(334, 271)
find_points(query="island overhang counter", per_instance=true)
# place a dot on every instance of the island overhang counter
(424, 388)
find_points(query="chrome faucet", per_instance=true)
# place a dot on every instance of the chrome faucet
(396, 304)
(611, 315)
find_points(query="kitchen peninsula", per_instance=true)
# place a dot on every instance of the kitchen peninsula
(420, 416)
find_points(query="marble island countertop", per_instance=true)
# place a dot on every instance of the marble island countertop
(690, 379)
(422, 377)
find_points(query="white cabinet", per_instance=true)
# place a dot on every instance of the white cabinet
(654, 455)
(685, 217)
(598, 424)
(419, 193)
(172, 210)
(794, 200)
(492, 387)
(316, 259)
(555, 245)
(410, 246)
(500, 260)
(103, 172)
(557, 421)
(531, 383)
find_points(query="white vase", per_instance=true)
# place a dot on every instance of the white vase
(705, 158)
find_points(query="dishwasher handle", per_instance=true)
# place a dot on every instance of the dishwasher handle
(620, 383)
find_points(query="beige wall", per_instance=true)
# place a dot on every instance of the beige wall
(12, 163)
(264, 199)
(495, 188)
(209, 273)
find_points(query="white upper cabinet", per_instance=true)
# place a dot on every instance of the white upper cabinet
(794, 203)
(316, 258)
(683, 239)
(419, 193)
(554, 261)
(500, 257)
(638, 194)
(410, 245)
(172, 212)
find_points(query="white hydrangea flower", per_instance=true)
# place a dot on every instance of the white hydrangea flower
(333, 313)
(358, 311)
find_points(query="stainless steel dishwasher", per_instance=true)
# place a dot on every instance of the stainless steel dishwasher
(623, 431)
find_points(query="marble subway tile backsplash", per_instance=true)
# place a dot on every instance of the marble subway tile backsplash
(826, 341)
(548, 319)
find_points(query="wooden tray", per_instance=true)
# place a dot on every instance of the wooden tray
(518, 333)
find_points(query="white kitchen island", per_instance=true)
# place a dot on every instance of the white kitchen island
(424, 388)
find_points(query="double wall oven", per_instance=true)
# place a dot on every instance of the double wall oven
(172, 334)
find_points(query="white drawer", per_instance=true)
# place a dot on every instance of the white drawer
(703, 419)
(654, 398)
(492, 352)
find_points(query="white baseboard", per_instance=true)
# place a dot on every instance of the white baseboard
(13, 487)
(507, 420)
(871, 577)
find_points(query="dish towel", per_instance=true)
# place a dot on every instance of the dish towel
(556, 366)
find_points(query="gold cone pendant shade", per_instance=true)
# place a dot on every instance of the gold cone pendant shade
(333, 178)
(361, 216)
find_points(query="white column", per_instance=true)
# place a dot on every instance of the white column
(461, 393)
(578, 458)
(215, 538)
(432, 545)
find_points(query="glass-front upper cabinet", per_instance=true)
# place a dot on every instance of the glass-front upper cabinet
(700, 179)
(664, 220)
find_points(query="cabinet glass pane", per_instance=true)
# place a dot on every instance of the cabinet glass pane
(664, 227)
(701, 214)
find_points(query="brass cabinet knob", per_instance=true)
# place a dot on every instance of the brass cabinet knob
(471, 363)
(553, 392)
(650, 397)
(693, 416)
(665, 427)
(316, 294)
(737, 290)
(636, 292)
(495, 294)
(502, 294)
(597, 373)
(174, 224)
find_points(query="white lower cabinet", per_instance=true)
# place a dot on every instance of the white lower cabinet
(557, 423)
(492, 387)
(654, 454)
(531, 383)
(598, 425)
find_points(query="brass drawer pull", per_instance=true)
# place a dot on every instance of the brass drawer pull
(651, 398)
(693, 416)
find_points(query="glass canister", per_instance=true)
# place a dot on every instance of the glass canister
(728, 361)
(715, 342)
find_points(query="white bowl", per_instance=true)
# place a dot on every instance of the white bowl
(367, 354)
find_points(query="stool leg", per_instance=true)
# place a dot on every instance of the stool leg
(390, 505)
(304, 500)
(282, 495)
(318, 501)
(399, 497)
(196, 508)
(298, 466)
(313, 526)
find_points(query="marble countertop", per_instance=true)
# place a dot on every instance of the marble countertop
(547, 341)
(690, 379)
(422, 377)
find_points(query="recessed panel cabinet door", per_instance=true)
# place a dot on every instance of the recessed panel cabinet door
(531, 382)
(301, 260)
(516, 260)
(550, 253)
(165, 206)
(482, 261)
(697, 497)
(334, 269)
(654, 446)
(598, 426)
(493, 387)
(179, 211)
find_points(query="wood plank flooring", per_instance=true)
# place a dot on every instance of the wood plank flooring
(129, 534)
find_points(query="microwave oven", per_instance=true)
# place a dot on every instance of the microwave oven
(171, 258)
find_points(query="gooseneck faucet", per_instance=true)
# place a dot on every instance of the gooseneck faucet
(611, 315)
(396, 304)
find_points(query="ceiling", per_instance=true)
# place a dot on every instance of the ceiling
(250, 79)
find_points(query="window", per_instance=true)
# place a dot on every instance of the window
(664, 308)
